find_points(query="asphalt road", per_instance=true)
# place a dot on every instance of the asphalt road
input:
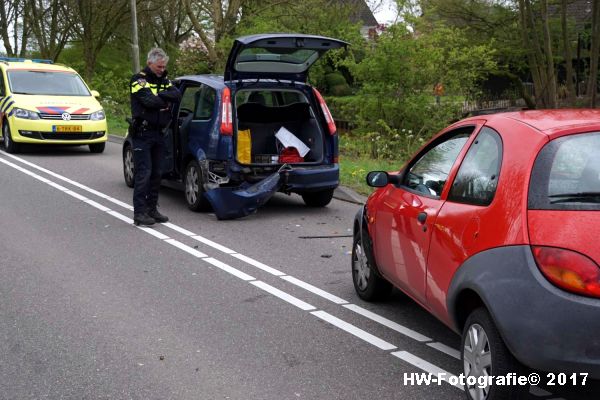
(262, 307)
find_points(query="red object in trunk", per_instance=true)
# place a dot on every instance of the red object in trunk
(290, 155)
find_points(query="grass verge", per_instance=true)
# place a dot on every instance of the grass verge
(117, 126)
(353, 172)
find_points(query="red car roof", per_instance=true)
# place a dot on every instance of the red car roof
(554, 122)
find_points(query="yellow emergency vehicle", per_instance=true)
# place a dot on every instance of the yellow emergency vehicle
(46, 103)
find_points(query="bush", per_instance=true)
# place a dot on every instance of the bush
(335, 79)
(397, 77)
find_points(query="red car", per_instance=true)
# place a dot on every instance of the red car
(492, 228)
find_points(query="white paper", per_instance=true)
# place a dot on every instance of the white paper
(288, 139)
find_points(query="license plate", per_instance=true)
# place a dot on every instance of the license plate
(66, 128)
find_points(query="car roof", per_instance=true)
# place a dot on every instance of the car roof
(35, 65)
(550, 122)
(215, 81)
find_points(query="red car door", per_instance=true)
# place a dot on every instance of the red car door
(407, 212)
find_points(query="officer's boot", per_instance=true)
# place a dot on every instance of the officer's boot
(143, 219)
(158, 217)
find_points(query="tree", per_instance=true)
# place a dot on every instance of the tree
(212, 20)
(13, 27)
(163, 23)
(50, 26)
(594, 53)
(484, 22)
(397, 77)
(567, 53)
(94, 23)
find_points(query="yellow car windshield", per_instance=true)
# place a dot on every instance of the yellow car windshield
(53, 83)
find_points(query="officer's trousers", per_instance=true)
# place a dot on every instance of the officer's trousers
(148, 155)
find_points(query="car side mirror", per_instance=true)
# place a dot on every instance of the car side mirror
(95, 93)
(381, 179)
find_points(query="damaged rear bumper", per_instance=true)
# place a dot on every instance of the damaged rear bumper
(312, 179)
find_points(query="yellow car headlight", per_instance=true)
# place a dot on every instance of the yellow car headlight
(25, 114)
(98, 115)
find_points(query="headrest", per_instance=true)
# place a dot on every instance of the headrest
(254, 112)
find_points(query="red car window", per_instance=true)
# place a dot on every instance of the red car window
(566, 174)
(477, 177)
(428, 174)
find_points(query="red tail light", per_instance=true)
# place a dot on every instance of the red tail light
(336, 159)
(326, 113)
(568, 270)
(226, 117)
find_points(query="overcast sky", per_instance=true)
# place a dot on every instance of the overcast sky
(384, 10)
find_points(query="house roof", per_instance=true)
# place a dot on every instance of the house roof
(361, 13)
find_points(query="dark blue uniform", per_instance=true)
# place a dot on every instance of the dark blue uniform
(151, 98)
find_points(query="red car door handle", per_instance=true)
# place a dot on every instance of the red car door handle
(421, 217)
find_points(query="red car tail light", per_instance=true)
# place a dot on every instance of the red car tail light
(328, 118)
(226, 117)
(568, 270)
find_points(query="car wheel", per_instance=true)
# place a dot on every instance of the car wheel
(484, 354)
(367, 283)
(194, 191)
(97, 147)
(318, 199)
(128, 172)
(9, 145)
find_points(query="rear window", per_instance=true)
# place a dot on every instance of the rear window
(270, 98)
(566, 174)
(285, 59)
(52, 83)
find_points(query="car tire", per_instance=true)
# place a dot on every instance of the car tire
(128, 166)
(484, 353)
(97, 148)
(9, 145)
(318, 199)
(194, 188)
(369, 285)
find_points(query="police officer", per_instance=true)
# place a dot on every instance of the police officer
(152, 95)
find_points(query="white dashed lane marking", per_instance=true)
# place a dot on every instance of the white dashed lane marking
(359, 333)
(345, 326)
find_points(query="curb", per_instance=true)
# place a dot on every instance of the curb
(341, 192)
(346, 194)
(116, 139)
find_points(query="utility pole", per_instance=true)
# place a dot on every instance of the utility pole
(135, 48)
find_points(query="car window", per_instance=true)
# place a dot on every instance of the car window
(254, 59)
(428, 174)
(46, 83)
(566, 174)
(205, 103)
(188, 100)
(477, 177)
(2, 90)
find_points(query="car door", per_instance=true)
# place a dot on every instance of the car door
(469, 220)
(408, 212)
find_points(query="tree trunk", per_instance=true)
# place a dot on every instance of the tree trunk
(531, 57)
(567, 55)
(593, 77)
(210, 46)
(26, 30)
(549, 59)
(5, 15)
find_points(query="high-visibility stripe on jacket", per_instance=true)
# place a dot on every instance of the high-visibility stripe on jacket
(151, 97)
